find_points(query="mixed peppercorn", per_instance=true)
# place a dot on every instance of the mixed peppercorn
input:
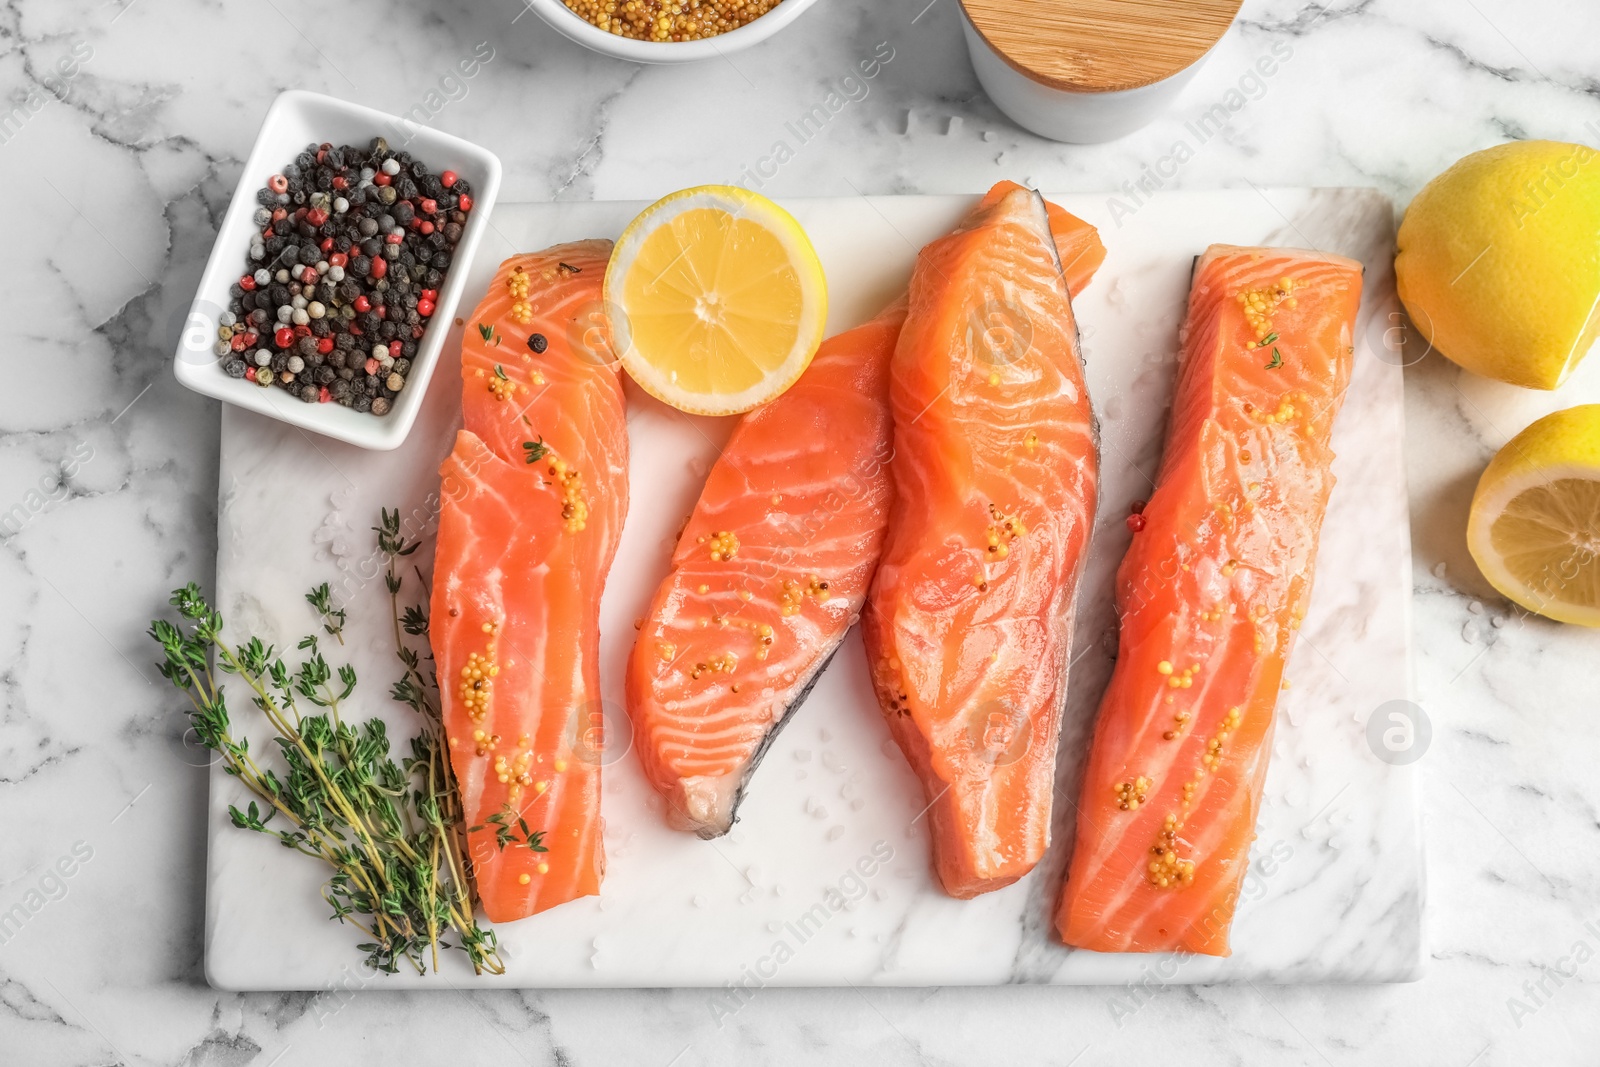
(353, 246)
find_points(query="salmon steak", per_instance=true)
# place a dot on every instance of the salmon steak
(532, 502)
(767, 578)
(968, 624)
(1209, 596)
(771, 571)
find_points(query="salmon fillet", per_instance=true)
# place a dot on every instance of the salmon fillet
(1210, 594)
(532, 504)
(969, 621)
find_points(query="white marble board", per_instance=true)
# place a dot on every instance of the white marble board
(1336, 888)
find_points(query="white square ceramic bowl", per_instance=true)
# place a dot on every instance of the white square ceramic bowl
(295, 120)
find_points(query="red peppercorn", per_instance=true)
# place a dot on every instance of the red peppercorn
(448, 178)
(302, 331)
(237, 344)
(250, 340)
(278, 183)
(324, 345)
(279, 214)
(363, 305)
(466, 203)
(416, 333)
(394, 238)
(250, 374)
(323, 149)
(430, 294)
(380, 267)
(339, 182)
(323, 395)
(425, 227)
(1135, 523)
(308, 278)
(316, 216)
(247, 283)
(300, 214)
(381, 178)
(424, 307)
(394, 349)
(372, 365)
(284, 337)
(326, 244)
(353, 330)
(429, 205)
(338, 259)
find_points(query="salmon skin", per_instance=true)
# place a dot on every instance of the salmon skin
(532, 503)
(1210, 594)
(969, 621)
(768, 577)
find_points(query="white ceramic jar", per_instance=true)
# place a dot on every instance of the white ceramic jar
(1090, 72)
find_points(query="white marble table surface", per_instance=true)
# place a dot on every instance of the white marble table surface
(111, 183)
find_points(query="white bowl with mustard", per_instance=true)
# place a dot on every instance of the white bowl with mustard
(711, 30)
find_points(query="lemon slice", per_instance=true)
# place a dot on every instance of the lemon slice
(1535, 522)
(716, 298)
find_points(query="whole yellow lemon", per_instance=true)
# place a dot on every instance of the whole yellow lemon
(1499, 261)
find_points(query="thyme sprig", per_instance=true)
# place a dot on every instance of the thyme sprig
(332, 617)
(511, 828)
(390, 832)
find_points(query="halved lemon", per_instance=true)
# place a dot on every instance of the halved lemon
(716, 298)
(1535, 522)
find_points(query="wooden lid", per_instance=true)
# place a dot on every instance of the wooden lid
(1099, 46)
